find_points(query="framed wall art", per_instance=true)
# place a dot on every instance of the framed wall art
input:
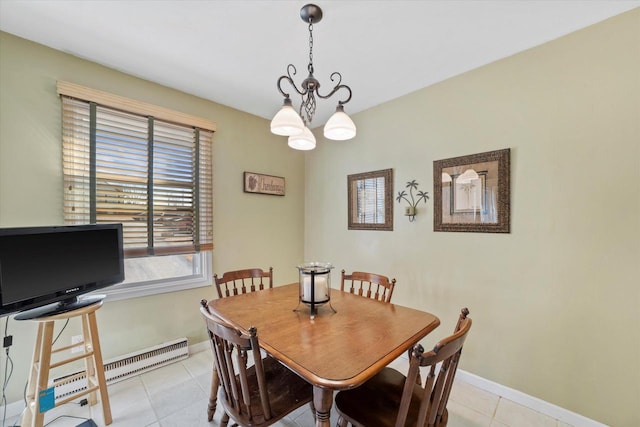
(472, 193)
(370, 200)
(263, 184)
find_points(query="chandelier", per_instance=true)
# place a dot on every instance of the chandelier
(295, 125)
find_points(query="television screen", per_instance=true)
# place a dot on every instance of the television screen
(40, 266)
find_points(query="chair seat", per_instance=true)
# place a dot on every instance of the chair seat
(376, 402)
(285, 389)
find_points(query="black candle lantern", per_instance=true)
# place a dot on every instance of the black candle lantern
(315, 285)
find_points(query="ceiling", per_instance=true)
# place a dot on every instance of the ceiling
(232, 52)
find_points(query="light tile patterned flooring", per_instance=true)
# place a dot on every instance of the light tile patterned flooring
(177, 395)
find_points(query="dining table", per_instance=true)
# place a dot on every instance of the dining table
(348, 341)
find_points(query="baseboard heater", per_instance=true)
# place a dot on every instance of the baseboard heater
(127, 366)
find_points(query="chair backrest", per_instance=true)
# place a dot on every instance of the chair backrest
(243, 281)
(444, 359)
(231, 349)
(368, 285)
(258, 393)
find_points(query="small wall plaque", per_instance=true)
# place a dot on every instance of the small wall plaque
(263, 184)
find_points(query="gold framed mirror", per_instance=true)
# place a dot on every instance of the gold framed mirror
(370, 200)
(472, 193)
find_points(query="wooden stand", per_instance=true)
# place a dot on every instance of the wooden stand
(41, 365)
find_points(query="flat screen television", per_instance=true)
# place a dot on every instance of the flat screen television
(44, 270)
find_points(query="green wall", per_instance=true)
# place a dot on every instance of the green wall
(555, 302)
(250, 230)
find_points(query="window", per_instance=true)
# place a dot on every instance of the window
(149, 169)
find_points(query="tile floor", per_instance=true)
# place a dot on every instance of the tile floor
(177, 395)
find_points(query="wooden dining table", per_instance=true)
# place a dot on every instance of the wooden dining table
(334, 351)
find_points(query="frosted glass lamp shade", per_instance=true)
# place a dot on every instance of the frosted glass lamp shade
(339, 127)
(304, 141)
(287, 122)
(468, 176)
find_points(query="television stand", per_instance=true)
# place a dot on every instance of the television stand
(39, 392)
(59, 307)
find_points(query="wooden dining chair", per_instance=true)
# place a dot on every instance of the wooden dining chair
(234, 283)
(368, 285)
(390, 399)
(256, 395)
(243, 281)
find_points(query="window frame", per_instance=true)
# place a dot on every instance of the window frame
(154, 287)
(356, 195)
(202, 261)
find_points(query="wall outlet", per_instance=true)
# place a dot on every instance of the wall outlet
(77, 339)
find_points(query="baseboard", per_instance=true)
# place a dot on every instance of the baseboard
(530, 402)
(13, 410)
(200, 346)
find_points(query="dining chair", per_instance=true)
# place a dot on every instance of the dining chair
(234, 283)
(243, 281)
(368, 285)
(391, 399)
(256, 395)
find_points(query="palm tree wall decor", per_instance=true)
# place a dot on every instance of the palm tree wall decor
(411, 211)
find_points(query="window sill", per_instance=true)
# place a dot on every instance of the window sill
(124, 291)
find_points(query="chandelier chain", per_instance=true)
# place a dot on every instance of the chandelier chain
(310, 67)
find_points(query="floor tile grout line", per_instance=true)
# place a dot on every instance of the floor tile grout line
(495, 410)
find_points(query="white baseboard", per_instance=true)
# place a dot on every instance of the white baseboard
(13, 410)
(200, 346)
(530, 402)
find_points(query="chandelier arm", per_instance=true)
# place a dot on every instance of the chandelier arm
(334, 90)
(289, 78)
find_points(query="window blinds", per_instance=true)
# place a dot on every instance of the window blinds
(151, 175)
(370, 202)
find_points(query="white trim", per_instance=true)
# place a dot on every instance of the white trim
(141, 289)
(546, 408)
(199, 346)
(14, 409)
(523, 399)
(530, 402)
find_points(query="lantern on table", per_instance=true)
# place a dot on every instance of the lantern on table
(315, 285)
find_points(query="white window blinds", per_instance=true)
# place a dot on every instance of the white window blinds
(370, 203)
(153, 176)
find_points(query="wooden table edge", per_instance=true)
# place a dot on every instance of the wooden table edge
(353, 382)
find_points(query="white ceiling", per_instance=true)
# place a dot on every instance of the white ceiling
(232, 52)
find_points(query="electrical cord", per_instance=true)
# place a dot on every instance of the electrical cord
(66, 416)
(8, 371)
(60, 333)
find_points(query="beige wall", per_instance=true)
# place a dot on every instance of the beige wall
(555, 302)
(250, 230)
(547, 299)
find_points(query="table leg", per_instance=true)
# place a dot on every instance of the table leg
(322, 400)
